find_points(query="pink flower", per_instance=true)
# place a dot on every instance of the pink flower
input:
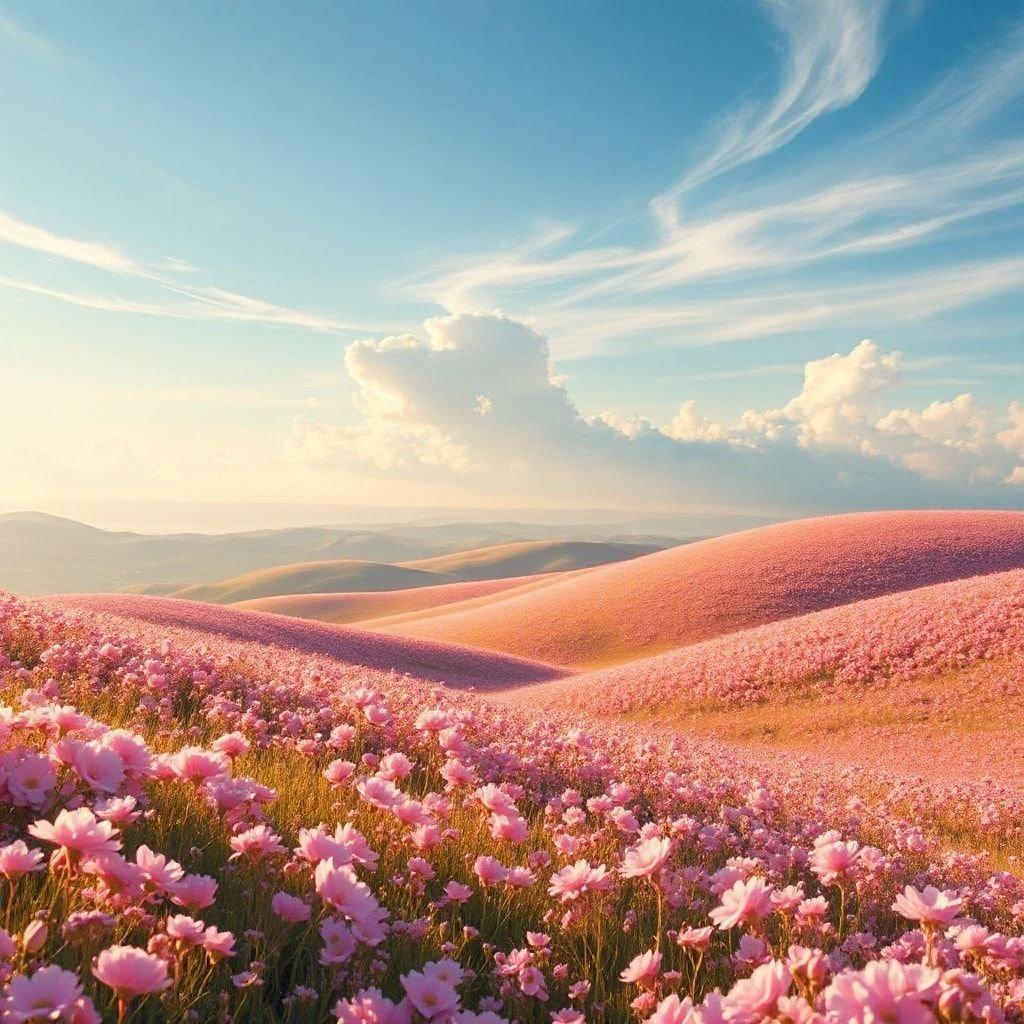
(835, 861)
(256, 843)
(369, 1006)
(78, 831)
(745, 901)
(196, 892)
(17, 859)
(194, 764)
(883, 991)
(754, 998)
(31, 780)
(290, 908)
(232, 744)
(49, 994)
(434, 998)
(131, 972)
(567, 1015)
(642, 968)
(339, 771)
(99, 767)
(218, 944)
(575, 880)
(186, 930)
(695, 938)
(158, 872)
(489, 871)
(673, 1010)
(646, 858)
(931, 907)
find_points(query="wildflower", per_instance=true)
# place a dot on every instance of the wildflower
(77, 832)
(369, 1006)
(17, 860)
(744, 902)
(130, 972)
(642, 968)
(930, 907)
(256, 843)
(50, 994)
(289, 908)
(646, 858)
(434, 998)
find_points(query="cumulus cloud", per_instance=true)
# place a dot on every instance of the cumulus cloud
(476, 397)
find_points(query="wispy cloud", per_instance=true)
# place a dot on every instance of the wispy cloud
(30, 42)
(92, 254)
(832, 51)
(203, 302)
(747, 244)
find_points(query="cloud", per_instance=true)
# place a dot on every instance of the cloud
(28, 41)
(724, 269)
(836, 444)
(202, 302)
(832, 50)
(92, 254)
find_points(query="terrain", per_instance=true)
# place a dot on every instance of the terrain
(479, 564)
(773, 776)
(699, 591)
(42, 553)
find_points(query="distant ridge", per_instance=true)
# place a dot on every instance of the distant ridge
(524, 558)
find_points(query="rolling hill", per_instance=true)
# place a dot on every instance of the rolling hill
(347, 576)
(383, 605)
(529, 558)
(192, 620)
(309, 578)
(41, 553)
(692, 593)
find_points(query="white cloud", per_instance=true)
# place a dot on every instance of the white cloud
(92, 254)
(838, 443)
(832, 50)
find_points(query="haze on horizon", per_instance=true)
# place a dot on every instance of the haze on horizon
(261, 267)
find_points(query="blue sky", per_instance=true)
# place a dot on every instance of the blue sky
(203, 208)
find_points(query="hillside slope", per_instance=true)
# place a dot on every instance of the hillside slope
(499, 561)
(692, 593)
(361, 606)
(528, 558)
(192, 620)
(310, 578)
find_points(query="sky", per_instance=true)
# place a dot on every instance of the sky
(721, 255)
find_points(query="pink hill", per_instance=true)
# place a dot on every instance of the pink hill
(424, 659)
(898, 637)
(693, 593)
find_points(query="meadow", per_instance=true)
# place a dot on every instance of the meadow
(212, 814)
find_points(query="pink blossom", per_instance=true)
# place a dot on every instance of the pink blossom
(644, 967)
(646, 858)
(744, 902)
(434, 998)
(289, 907)
(78, 831)
(17, 859)
(930, 907)
(131, 972)
(50, 994)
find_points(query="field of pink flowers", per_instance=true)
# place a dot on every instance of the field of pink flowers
(200, 828)
(877, 642)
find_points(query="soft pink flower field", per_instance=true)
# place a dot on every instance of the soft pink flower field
(210, 814)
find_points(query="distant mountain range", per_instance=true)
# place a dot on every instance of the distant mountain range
(41, 553)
